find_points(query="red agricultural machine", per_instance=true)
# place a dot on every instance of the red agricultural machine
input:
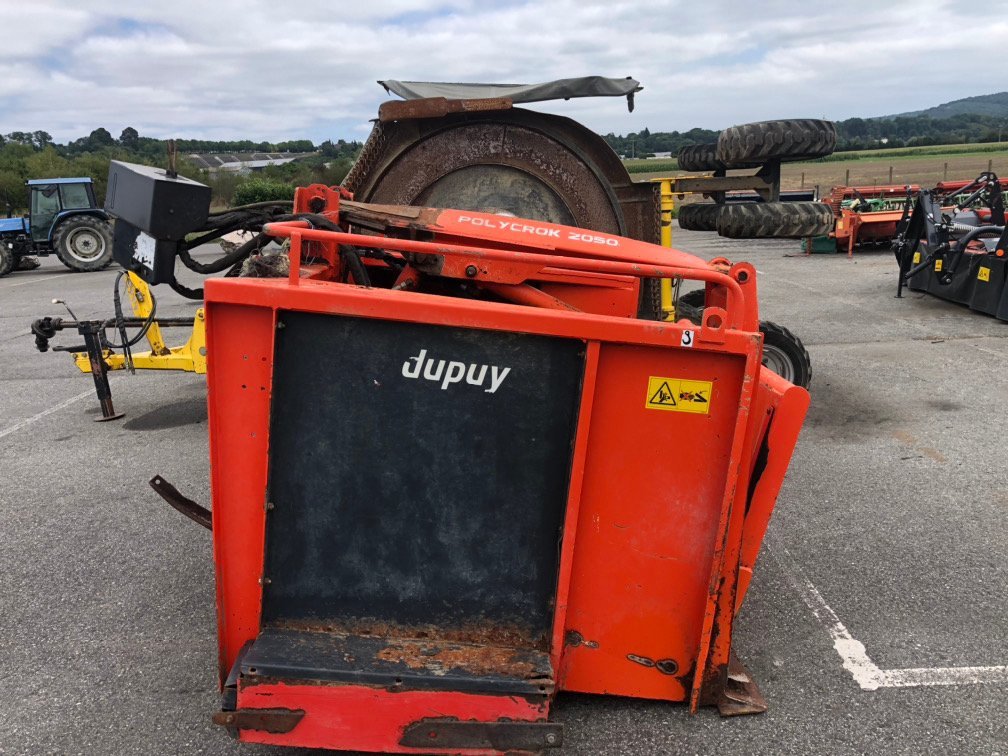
(870, 215)
(464, 459)
(454, 473)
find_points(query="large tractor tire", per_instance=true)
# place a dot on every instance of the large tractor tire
(783, 352)
(775, 220)
(699, 157)
(788, 140)
(83, 243)
(699, 217)
(7, 258)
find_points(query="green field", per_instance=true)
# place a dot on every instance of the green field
(907, 165)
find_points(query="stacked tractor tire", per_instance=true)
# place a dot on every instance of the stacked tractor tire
(753, 145)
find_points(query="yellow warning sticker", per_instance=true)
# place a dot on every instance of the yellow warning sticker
(916, 257)
(938, 265)
(983, 274)
(678, 395)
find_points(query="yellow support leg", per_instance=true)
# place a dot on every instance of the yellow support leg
(190, 357)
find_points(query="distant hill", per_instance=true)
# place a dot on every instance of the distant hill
(995, 105)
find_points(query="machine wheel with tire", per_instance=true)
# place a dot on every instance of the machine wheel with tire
(783, 352)
(699, 217)
(781, 220)
(785, 140)
(83, 243)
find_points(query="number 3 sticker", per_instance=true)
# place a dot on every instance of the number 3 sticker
(687, 338)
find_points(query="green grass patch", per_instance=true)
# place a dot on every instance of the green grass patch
(934, 150)
(657, 165)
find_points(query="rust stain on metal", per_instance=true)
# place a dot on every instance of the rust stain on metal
(438, 107)
(477, 660)
(496, 635)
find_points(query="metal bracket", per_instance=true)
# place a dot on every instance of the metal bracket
(444, 734)
(741, 694)
(275, 721)
(188, 507)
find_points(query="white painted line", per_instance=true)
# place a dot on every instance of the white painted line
(29, 281)
(852, 652)
(55, 408)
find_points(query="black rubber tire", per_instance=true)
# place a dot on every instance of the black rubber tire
(7, 258)
(775, 220)
(701, 216)
(787, 140)
(784, 353)
(71, 249)
(699, 157)
(690, 305)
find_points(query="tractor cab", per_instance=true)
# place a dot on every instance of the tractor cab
(51, 198)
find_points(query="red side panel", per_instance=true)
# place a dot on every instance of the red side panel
(359, 718)
(240, 363)
(655, 487)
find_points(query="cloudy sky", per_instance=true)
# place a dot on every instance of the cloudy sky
(222, 69)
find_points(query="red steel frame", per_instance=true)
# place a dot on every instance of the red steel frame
(639, 585)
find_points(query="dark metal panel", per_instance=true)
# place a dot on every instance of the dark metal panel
(422, 494)
(398, 664)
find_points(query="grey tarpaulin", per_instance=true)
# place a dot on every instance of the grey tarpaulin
(561, 89)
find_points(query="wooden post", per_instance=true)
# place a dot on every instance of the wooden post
(890, 174)
(846, 181)
(803, 178)
(990, 165)
(945, 177)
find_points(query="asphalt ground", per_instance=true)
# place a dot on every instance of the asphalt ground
(890, 528)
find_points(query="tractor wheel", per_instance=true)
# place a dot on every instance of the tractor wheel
(83, 243)
(7, 259)
(699, 217)
(769, 220)
(699, 157)
(797, 139)
(784, 354)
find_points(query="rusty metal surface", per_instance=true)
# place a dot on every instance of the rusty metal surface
(500, 736)
(741, 694)
(276, 721)
(188, 507)
(437, 107)
(471, 658)
(491, 635)
(405, 163)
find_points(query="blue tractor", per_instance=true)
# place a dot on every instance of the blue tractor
(64, 220)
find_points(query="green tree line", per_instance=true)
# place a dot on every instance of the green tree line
(852, 134)
(34, 155)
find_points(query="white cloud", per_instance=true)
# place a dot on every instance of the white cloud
(270, 70)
